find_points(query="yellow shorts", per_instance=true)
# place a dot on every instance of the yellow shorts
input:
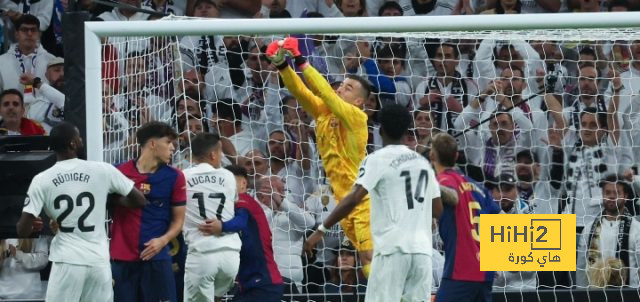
(357, 227)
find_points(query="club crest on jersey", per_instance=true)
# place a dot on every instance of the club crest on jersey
(145, 188)
(333, 123)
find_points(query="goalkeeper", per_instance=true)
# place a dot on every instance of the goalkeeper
(341, 132)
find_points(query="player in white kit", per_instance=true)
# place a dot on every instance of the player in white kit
(404, 196)
(74, 193)
(212, 261)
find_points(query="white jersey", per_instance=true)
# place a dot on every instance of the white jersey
(402, 185)
(74, 193)
(211, 193)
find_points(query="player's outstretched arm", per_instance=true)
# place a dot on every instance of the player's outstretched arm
(351, 116)
(341, 211)
(278, 57)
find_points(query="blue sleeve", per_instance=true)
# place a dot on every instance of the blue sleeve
(237, 223)
(382, 82)
(491, 205)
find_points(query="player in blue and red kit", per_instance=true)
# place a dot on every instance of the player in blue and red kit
(141, 264)
(258, 277)
(462, 279)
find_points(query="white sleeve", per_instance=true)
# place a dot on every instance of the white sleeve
(120, 184)
(35, 197)
(368, 174)
(8, 5)
(300, 219)
(39, 256)
(634, 259)
(433, 189)
(52, 95)
(326, 11)
(43, 11)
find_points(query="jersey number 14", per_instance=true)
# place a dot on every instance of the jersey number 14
(421, 187)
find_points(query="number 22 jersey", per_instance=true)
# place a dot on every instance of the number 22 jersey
(211, 194)
(74, 193)
(459, 227)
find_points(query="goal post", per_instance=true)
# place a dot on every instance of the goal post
(414, 24)
(540, 46)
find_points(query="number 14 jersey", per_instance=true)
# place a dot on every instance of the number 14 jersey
(402, 185)
(74, 193)
(211, 194)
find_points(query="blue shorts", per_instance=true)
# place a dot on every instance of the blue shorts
(456, 291)
(150, 281)
(270, 293)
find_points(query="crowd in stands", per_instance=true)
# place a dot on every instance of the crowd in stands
(549, 127)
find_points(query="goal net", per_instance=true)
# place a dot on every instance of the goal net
(572, 119)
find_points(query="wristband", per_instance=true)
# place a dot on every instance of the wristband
(36, 82)
(322, 229)
(299, 60)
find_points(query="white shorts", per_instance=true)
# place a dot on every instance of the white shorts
(209, 275)
(400, 277)
(72, 282)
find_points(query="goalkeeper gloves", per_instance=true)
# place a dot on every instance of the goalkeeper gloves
(277, 52)
(277, 55)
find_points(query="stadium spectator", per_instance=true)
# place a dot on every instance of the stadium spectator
(226, 120)
(505, 192)
(206, 9)
(540, 6)
(429, 7)
(628, 103)
(48, 106)
(505, 7)
(140, 100)
(541, 194)
(166, 7)
(123, 14)
(390, 9)
(591, 157)
(117, 132)
(391, 63)
(255, 162)
(446, 93)
(619, 6)
(588, 97)
(288, 222)
(26, 56)
(20, 263)
(590, 6)
(371, 107)
(233, 8)
(290, 170)
(424, 130)
(609, 248)
(42, 10)
(353, 8)
(186, 132)
(141, 264)
(493, 57)
(327, 8)
(12, 112)
(345, 277)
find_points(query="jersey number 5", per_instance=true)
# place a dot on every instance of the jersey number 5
(203, 213)
(420, 188)
(57, 204)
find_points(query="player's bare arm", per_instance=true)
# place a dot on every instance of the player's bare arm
(155, 245)
(449, 196)
(28, 224)
(341, 211)
(135, 199)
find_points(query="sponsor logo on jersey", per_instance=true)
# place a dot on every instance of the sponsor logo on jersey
(27, 201)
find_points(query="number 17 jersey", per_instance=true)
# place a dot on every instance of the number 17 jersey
(74, 193)
(211, 194)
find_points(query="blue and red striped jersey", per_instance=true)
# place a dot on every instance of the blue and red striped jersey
(132, 228)
(257, 265)
(459, 227)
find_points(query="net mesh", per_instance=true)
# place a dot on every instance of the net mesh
(226, 85)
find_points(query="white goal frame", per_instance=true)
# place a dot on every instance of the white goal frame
(95, 30)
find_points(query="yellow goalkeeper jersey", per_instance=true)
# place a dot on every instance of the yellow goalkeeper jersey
(341, 128)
